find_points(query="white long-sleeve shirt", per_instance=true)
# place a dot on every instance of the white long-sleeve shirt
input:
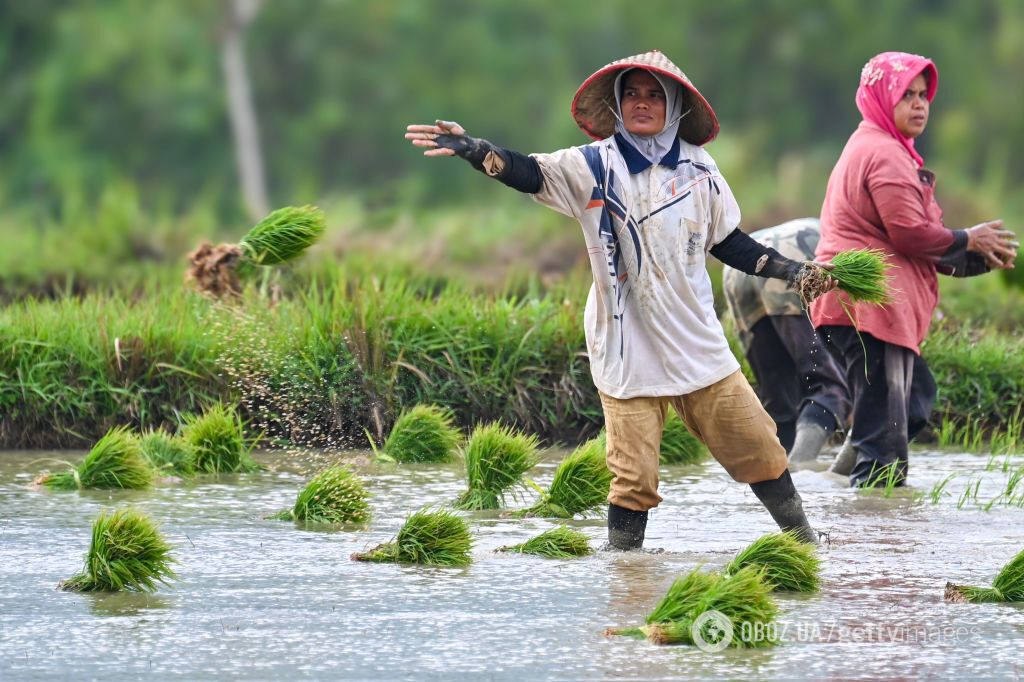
(650, 322)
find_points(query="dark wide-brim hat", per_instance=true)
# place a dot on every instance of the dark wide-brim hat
(595, 100)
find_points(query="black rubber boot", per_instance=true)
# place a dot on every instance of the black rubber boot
(626, 528)
(783, 502)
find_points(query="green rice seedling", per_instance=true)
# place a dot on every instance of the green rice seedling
(789, 565)
(425, 433)
(1007, 587)
(1009, 440)
(283, 235)
(683, 595)
(433, 538)
(127, 552)
(557, 543)
(863, 274)
(335, 495)
(938, 490)
(496, 459)
(168, 454)
(218, 438)
(970, 494)
(580, 485)
(743, 598)
(678, 445)
(116, 461)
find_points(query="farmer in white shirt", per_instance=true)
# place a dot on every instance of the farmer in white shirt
(652, 205)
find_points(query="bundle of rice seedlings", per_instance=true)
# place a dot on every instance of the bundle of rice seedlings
(580, 485)
(743, 597)
(168, 454)
(433, 538)
(496, 459)
(335, 495)
(558, 543)
(1007, 587)
(218, 438)
(678, 445)
(127, 552)
(283, 235)
(863, 274)
(425, 433)
(789, 565)
(116, 461)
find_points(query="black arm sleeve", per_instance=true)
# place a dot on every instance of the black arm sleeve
(516, 170)
(740, 251)
(957, 261)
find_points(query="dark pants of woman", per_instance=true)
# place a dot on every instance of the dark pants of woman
(892, 400)
(797, 379)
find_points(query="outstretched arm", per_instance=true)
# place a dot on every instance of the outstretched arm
(447, 138)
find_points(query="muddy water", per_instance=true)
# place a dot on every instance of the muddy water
(266, 599)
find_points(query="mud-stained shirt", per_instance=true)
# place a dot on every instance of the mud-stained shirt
(650, 322)
(751, 298)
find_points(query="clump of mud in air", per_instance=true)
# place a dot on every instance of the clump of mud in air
(213, 270)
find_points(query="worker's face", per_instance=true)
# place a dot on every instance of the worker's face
(643, 103)
(911, 112)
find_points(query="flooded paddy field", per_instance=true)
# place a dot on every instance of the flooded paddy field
(266, 599)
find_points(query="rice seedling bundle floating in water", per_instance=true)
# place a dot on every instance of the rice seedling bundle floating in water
(496, 459)
(425, 433)
(116, 461)
(580, 485)
(168, 454)
(127, 552)
(863, 274)
(433, 538)
(558, 543)
(743, 597)
(218, 438)
(1007, 587)
(789, 564)
(678, 445)
(335, 495)
(283, 235)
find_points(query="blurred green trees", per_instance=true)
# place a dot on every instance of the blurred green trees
(97, 92)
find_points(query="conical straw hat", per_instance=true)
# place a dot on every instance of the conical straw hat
(592, 106)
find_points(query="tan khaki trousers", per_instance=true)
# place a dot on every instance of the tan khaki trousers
(726, 416)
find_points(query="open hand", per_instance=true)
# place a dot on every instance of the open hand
(426, 136)
(998, 246)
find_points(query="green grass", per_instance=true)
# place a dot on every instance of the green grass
(116, 461)
(127, 552)
(283, 235)
(580, 484)
(557, 543)
(1008, 586)
(168, 454)
(335, 495)
(218, 438)
(496, 458)
(789, 565)
(863, 274)
(678, 445)
(432, 538)
(423, 433)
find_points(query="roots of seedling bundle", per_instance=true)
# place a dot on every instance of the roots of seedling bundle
(213, 270)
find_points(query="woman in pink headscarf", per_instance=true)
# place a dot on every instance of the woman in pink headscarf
(879, 196)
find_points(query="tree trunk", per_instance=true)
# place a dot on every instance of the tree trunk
(244, 126)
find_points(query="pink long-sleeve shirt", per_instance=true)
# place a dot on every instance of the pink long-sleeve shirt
(877, 198)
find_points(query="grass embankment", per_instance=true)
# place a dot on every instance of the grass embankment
(349, 353)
